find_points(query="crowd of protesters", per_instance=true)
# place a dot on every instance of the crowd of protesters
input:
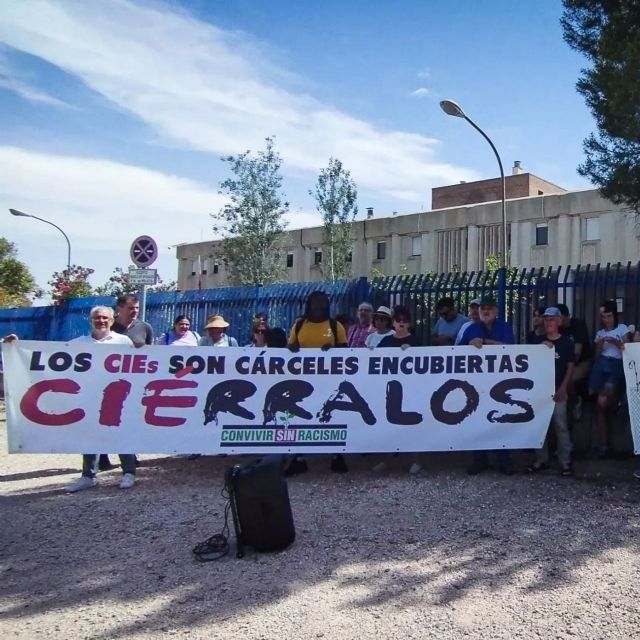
(583, 367)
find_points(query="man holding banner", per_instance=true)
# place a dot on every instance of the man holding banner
(102, 319)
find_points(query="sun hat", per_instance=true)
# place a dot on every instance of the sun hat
(383, 311)
(217, 322)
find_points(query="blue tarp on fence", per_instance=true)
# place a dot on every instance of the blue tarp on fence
(582, 288)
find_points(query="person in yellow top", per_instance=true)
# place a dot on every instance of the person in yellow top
(316, 329)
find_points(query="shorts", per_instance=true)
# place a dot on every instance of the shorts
(607, 372)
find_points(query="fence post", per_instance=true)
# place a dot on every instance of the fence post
(502, 293)
(362, 289)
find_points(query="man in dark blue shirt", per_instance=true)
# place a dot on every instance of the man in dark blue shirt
(490, 330)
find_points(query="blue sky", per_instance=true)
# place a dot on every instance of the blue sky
(114, 115)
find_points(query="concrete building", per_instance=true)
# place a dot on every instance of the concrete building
(564, 228)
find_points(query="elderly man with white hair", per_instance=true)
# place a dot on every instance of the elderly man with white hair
(101, 319)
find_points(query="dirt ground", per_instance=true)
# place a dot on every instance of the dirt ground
(440, 555)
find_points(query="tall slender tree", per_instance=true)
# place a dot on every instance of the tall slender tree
(336, 196)
(607, 32)
(252, 223)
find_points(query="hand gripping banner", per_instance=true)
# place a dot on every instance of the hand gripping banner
(76, 398)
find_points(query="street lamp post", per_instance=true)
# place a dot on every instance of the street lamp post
(453, 109)
(15, 212)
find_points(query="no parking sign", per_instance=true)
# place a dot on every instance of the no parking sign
(144, 251)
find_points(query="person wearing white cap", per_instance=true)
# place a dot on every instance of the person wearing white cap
(215, 333)
(382, 321)
(474, 316)
(564, 366)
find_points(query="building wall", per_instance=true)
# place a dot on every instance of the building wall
(521, 185)
(458, 238)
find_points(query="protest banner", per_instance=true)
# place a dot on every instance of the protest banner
(75, 398)
(631, 362)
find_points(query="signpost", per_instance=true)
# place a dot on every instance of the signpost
(143, 252)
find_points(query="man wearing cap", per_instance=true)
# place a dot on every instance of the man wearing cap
(474, 316)
(490, 330)
(215, 333)
(359, 332)
(564, 366)
(382, 321)
(449, 323)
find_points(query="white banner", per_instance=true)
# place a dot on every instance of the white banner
(77, 398)
(631, 362)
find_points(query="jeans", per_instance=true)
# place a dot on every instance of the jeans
(90, 464)
(559, 422)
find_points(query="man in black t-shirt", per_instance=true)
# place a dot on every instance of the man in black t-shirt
(564, 366)
(577, 330)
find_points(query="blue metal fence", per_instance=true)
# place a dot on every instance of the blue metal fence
(582, 288)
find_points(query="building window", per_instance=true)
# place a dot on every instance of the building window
(317, 256)
(194, 267)
(205, 267)
(216, 268)
(416, 246)
(542, 234)
(350, 256)
(592, 229)
(289, 259)
(381, 251)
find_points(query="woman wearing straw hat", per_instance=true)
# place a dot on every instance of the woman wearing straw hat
(215, 333)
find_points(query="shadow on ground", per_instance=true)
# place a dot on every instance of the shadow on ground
(430, 538)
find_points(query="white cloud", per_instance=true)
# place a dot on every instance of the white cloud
(207, 89)
(424, 73)
(102, 206)
(421, 92)
(17, 85)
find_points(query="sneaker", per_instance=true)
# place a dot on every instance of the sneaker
(338, 464)
(566, 472)
(128, 480)
(296, 466)
(636, 474)
(81, 483)
(381, 466)
(477, 467)
(414, 469)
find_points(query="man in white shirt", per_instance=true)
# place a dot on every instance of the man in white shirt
(101, 319)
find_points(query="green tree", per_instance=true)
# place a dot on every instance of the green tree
(17, 285)
(252, 223)
(73, 283)
(336, 195)
(607, 32)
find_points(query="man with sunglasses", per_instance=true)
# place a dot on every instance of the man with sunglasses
(448, 324)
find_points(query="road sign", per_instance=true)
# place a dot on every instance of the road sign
(143, 276)
(144, 251)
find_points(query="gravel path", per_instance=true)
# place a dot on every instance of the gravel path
(441, 555)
